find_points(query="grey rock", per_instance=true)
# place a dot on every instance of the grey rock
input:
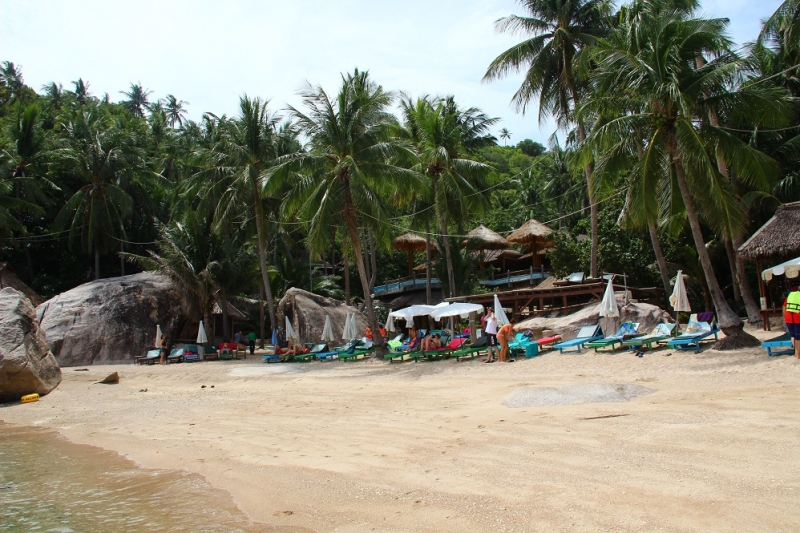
(568, 326)
(111, 320)
(27, 365)
(306, 312)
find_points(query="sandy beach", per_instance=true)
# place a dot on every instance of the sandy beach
(709, 445)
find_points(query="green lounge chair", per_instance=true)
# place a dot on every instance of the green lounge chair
(660, 333)
(626, 331)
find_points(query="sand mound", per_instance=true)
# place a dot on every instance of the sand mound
(573, 394)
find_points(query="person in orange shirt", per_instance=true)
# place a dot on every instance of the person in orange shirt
(368, 333)
(504, 335)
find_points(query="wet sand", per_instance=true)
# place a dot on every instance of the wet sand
(370, 446)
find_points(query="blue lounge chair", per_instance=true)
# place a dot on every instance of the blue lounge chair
(191, 353)
(779, 345)
(695, 332)
(586, 334)
(524, 344)
(150, 358)
(626, 330)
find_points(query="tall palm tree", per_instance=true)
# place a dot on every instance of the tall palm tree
(81, 91)
(102, 157)
(234, 173)
(505, 135)
(349, 169)
(658, 68)
(137, 100)
(557, 33)
(438, 130)
(175, 109)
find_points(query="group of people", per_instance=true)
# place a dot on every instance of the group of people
(503, 335)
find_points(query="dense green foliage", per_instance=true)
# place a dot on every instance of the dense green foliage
(675, 140)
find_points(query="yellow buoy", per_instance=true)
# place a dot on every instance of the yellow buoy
(30, 398)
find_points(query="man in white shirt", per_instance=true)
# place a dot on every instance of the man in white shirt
(491, 334)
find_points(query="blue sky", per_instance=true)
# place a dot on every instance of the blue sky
(209, 53)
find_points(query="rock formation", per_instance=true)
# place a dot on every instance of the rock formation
(306, 312)
(567, 326)
(26, 363)
(110, 320)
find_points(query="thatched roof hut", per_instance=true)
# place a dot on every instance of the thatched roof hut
(482, 238)
(530, 232)
(411, 243)
(779, 237)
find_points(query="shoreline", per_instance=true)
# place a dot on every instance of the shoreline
(430, 446)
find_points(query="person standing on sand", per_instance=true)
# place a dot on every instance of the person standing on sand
(251, 337)
(237, 338)
(162, 350)
(504, 336)
(791, 315)
(491, 334)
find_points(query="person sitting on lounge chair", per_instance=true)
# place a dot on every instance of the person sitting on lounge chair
(431, 343)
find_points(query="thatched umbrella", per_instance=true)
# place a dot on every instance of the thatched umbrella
(534, 234)
(411, 244)
(482, 238)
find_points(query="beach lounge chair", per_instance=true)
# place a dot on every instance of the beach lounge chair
(695, 332)
(660, 333)
(227, 351)
(781, 345)
(586, 334)
(441, 353)
(191, 353)
(525, 345)
(361, 348)
(626, 331)
(150, 358)
(175, 356)
(549, 342)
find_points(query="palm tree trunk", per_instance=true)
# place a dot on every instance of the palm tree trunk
(223, 305)
(737, 295)
(662, 263)
(352, 227)
(261, 330)
(373, 260)
(428, 289)
(96, 264)
(262, 258)
(209, 323)
(729, 321)
(587, 171)
(739, 272)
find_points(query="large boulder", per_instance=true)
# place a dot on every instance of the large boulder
(26, 363)
(307, 311)
(568, 326)
(111, 320)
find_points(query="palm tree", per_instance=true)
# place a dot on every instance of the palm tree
(560, 31)
(349, 168)
(236, 166)
(175, 109)
(137, 100)
(505, 135)
(104, 158)
(81, 91)
(666, 90)
(439, 131)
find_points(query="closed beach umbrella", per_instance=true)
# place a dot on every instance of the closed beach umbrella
(327, 330)
(499, 313)
(390, 324)
(608, 305)
(201, 334)
(158, 336)
(346, 330)
(352, 332)
(290, 334)
(679, 299)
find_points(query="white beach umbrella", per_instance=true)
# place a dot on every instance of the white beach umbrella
(791, 268)
(346, 330)
(679, 299)
(390, 324)
(158, 336)
(290, 334)
(608, 305)
(351, 332)
(201, 334)
(327, 330)
(410, 312)
(461, 309)
(499, 313)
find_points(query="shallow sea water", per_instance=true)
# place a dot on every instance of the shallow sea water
(49, 484)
